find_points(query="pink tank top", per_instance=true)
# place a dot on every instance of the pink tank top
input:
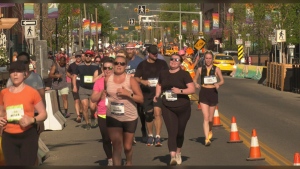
(122, 108)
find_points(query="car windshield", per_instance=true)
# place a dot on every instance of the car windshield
(224, 58)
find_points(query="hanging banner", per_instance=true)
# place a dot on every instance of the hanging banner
(215, 20)
(28, 11)
(184, 29)
(86, 27)
(52, 10)
(93, 28)
(6, 5)
(249, 14)
(99, 25)
(169, 31)
(206, 25)
(195, 27)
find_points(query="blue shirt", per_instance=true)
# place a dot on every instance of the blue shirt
(132, 65)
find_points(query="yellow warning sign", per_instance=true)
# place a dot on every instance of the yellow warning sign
(240, 52)
(199, 44)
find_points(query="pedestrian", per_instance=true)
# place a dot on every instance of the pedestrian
(17, 105)
(147, 74)
(58, 73)
(133, 62)
(211, 79)
(70, 72)
(175, 85)
(123, 92)
(97, 60)
(50, 62)
(99, 97)
(85, 72)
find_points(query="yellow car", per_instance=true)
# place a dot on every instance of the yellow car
(226, 63)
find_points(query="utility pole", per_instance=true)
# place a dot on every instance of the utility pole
(96, 19)
(41, 21)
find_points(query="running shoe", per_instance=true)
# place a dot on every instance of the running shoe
(150, 141)
(178, 158)
(87, 126)
(207, 142)
(173, 161)
(109, 162)
(210, 134)
(78, 119)
(67, 115)
(158, 142)
(94, 123)
(133, 141)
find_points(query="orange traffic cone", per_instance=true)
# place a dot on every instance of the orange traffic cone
(216, 120)
(234, 133)
(254, 149)
(297, 159)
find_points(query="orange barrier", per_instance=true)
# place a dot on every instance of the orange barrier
(234, 133)
(297, 159)
(216, 120)
(254, 149)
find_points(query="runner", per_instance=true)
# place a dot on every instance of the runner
(86, 71)
(147, 74)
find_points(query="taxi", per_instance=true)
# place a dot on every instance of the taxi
(225, 62)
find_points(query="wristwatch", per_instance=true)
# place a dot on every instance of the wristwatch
(131, 95)
(181, 91)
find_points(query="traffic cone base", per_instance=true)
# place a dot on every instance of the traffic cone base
(216, 119)
(254, 148)
(234, 134)
(297, 159)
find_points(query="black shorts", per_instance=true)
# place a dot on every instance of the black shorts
(75, 94)
(48, 82)
(208, 96)
(127, 126)
(149, 104)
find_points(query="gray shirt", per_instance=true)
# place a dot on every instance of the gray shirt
(34, 80)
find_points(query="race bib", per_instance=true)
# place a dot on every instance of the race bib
(14, 113)
(88, 79)
(117, 108)
(210, 79)
(77, 78)
(170, 96)
(153, 82)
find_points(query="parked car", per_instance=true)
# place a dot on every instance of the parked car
(224, 62)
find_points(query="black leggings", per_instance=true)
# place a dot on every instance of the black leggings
(107, 147)
(20, 149)
(176, 119)
(141, 115)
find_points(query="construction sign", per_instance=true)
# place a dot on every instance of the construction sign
(199, 44)
(240, 52)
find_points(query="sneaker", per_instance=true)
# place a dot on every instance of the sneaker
(109, 162)
(178, 158)
(78, 119)
(144, 136)
(158, 142)
(94, 123)
(66, 115)
(150, 141)
(133, 141)
(207, 142)
(210, 134)
(173, 161)
(87, 126)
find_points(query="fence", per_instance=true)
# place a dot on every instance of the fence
(284, 77)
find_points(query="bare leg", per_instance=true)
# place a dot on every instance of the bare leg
(127, 143)
(116, 137)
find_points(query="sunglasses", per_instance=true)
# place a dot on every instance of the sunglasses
(107, 68)
(88, 56)
(175, 59)
(97, 61)
(120, 63)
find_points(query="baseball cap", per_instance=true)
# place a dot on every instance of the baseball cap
(78, 53)
(153, 49)
(89, 52)
(181, 52)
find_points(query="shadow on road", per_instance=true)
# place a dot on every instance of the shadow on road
(201, 140)
(166, 159)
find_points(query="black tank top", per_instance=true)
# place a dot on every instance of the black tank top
(204, 72)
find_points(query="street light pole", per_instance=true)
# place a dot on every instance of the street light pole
(180, 26)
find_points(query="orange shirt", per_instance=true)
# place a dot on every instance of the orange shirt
(25, 100)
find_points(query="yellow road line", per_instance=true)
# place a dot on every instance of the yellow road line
(247, 136)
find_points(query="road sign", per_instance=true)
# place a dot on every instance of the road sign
(247, 44)
(240, 52)
(199, 44)
(180, 37)
(280, 35)
(30, 32)
(239, 41)
(217, 42)
(28, 22)
(142, 9)
(131, 21)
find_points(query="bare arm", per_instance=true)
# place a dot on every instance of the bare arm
(74, 83)
(143, 82)
(219, 74)
(96, 76)
(137, 92)
(69, 75)
(198, 73)
(52, 72)
(42, 94)
(42, 114)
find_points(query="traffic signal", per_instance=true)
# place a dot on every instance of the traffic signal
(131, 21)
(142, 9)
(147, 10)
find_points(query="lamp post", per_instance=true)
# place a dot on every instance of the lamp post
(231, 11)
